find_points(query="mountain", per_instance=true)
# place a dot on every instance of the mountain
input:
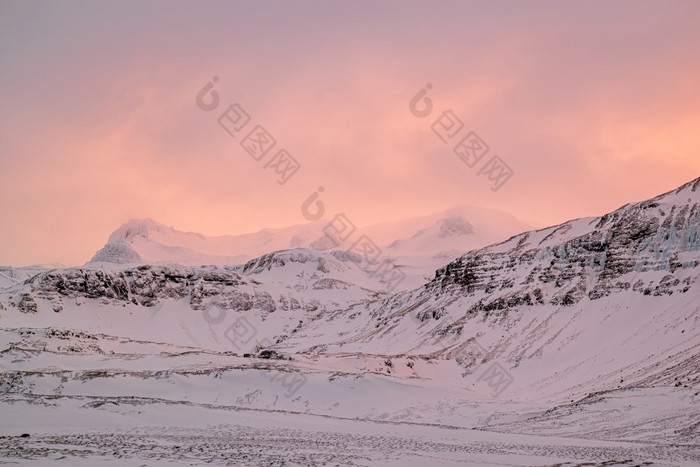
(273, 294)
(589, 305)
(418, 245)
(570, 345)
(428, 242)
(10, 276)
(145, 241)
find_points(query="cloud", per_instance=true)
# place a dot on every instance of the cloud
(591, 109)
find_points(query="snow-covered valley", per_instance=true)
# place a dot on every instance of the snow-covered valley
(577, 344)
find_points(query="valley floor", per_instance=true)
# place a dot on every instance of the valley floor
(81, 430)
(68, 397)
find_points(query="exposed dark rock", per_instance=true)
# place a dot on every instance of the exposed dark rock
(270, 354)
(27, 304)
(648, 236)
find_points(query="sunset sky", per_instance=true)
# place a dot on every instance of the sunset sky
(591, 104)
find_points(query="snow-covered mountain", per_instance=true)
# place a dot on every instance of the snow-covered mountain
(570, 344)
(11, 276)
(418, 245)
(145, 241)
(273, 294)
(435, 240)
(592, 304)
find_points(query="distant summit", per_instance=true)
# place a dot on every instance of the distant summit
(144, 228)
(419, 245)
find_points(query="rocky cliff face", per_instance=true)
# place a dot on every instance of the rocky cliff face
(144, 285)
(545, 291)
(650, 248)
(118, 252)
(607, 302)
(253, 286)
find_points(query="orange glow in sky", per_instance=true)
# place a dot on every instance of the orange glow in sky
(592, 105)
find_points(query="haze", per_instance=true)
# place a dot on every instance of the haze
(592, 105)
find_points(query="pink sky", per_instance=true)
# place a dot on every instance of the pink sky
(591, 104)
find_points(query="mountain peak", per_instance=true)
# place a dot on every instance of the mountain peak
(139, 228)
(147, 241)
(648, 247)
(455, 226)
(684, 190)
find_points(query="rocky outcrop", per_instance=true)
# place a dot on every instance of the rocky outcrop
(296, 276)
(146, 286)
(27, 304)
(453, 226)
(324, 263)
(119, 253)
(586, 257)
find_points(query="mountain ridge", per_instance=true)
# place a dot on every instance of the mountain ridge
(589, 329)
(418, 245)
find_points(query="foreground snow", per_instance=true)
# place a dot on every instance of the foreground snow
(84, 398)
(135, 431)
